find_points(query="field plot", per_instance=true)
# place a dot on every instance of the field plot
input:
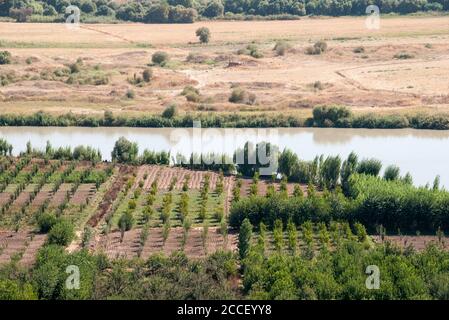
(20, 246)
(135, 211)
(418, 243)
(400, 68)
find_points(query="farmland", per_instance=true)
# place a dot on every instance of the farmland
(172, 209)
(397, 69)
(94, 196)
(154, 218)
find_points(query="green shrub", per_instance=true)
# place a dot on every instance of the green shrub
(130, 94)
(240, 95)
(392, 173)
(403, 56)
(5, 57)
(147, 75)
(46, 221)
(62, 233)
(204, 34)
(281, 48)
(369, 166)
(170, 112)
(318, 48)
(160, 58)
(126, 221)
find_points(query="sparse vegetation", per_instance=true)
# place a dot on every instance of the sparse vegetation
(203, 34)
(318, 48)
(160, 58)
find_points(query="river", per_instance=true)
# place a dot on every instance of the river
(423, 153)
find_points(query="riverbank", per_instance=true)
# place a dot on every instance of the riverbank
(409, 149)
(323, 117)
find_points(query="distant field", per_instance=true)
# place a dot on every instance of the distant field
(401, 68)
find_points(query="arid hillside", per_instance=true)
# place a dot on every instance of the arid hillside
(403, 66)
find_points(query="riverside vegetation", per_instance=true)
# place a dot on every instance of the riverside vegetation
(338, 117)
(310, 243)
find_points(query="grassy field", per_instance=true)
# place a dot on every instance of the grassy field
(401, 68)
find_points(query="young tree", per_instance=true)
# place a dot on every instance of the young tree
(278, 235)
(5, 57)
(61, 233)
(170, 112)
(245, 236)
(292, 234)
(204, 34)
(160, 58)
(125, 151)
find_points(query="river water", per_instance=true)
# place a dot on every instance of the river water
(423, 153)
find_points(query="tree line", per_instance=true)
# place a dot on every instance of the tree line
(187, 11)
(333, 116)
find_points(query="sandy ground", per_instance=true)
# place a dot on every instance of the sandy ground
(294, 83)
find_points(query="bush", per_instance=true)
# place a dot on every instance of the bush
(5, 57)
(170, 112)
(214, 9)
(160, 58)
(130, 94)
(46, 221)
(318, 48)
(204, 34)
(240, 95)
(147, 75)
(104, 10)
(403, 56)
(62, 233)
(125, 151)
(324, 116)
(281, 48)
(126, 221)
(369, 167)
(88, 7)
(392, 173)
(245, 236)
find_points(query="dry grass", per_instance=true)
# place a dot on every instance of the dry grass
(362, 80)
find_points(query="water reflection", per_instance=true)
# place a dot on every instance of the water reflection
(423, 153)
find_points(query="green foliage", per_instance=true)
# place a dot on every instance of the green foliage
(398, 205)
(125, 151)
(126, 221)
(392, 173)
(203, 34)
(245, 235)
(14, 290)
(369, 167)
(46, 221)
(240, 95)
(5, 57)
(281, 48)
(147, 75)
(62, 233)
(340, 274)
(160, 58)
(324, 116)
(170, 112)
(318, 48)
